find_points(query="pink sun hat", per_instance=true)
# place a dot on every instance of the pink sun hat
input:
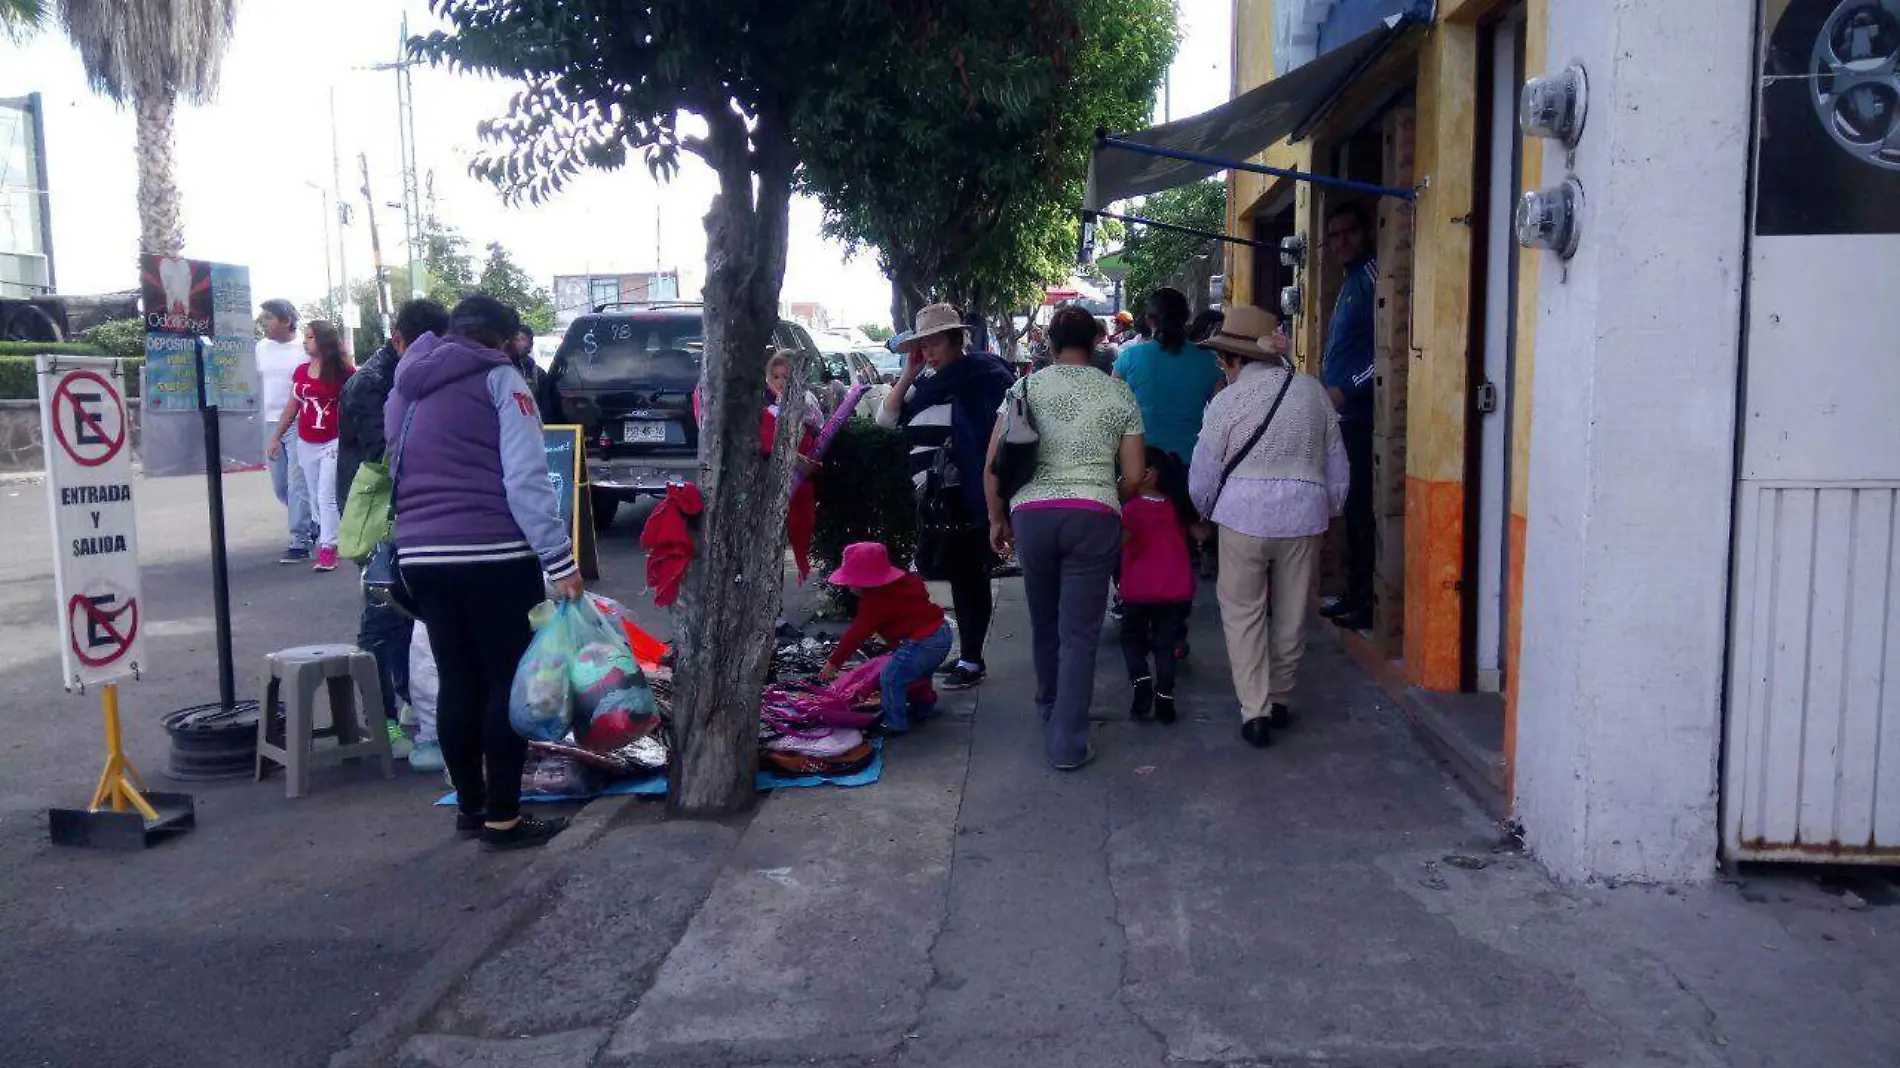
(866, 564)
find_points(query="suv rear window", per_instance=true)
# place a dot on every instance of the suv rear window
(657, 351)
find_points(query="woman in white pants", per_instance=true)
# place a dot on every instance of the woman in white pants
(314, 390)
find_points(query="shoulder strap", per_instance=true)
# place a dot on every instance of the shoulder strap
(395, 454)
(1227, 470)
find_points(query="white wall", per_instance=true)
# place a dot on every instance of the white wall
(1632, 445)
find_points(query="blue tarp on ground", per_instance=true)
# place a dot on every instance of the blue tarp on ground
(767, 780)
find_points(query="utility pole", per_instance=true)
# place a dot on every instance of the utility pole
(375, 246)
(412, 215)
(348, 309)
(329, 261)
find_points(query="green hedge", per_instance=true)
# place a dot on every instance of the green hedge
(16, 368)
(865, 494)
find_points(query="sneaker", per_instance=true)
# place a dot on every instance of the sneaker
(1339, 606)
(468, 824)
(426, 756)
(405, 713)
(963, 676)
(295, 554)
(1358, 619)
(527, 833)
(326, 559)
(400, 746)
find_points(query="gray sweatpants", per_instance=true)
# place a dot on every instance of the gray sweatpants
(1067, 555)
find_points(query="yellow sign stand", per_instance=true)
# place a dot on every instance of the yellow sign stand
(123, 813)
(119, 783)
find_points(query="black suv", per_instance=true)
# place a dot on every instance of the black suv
(626, 374)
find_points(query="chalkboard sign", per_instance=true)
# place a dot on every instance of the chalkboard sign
(567, 473)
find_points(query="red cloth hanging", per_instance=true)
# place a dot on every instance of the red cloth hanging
(668, 541)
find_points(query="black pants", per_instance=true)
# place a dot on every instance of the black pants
(1361, 532)
(477, 615)
(1153, 629)
(968, 562)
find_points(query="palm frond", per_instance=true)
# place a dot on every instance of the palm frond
(19, 19)
(131, 48)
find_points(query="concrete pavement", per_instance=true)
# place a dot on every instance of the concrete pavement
(1335, 900)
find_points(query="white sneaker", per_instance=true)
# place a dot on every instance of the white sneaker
(406, 714)
(426, 756)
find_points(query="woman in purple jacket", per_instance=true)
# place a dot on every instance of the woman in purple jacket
(479, 538)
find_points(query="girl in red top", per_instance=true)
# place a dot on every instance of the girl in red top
(894, 605)
(314, 389)
(1157, 582)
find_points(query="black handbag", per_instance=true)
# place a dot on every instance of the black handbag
(382, 574)
(1015, 461)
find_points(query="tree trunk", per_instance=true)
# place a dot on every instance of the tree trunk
(161, 231)
(732, 591)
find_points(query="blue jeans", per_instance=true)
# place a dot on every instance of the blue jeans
(286, 480)
(910, 661)
(384, 634)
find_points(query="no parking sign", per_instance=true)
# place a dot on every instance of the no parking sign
(95, 533)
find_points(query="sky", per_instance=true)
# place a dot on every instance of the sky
(253, 162)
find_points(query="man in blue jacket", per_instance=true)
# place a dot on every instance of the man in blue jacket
(1346, 370)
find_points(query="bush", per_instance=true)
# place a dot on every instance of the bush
(16, 368)
(865, 494)
(123, 338)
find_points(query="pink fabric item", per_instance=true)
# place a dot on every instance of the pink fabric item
(833, 741)
(1155, 567)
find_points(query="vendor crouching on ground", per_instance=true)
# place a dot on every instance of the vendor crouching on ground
(894, 605)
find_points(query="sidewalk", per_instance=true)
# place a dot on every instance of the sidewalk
(1334, 900)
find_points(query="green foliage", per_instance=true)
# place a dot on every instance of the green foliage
(1153, 256)
(20, 19)
(123, 338)
(961, 157)
(505, 280)
(875, 332)
(17, 367)
(865, 494)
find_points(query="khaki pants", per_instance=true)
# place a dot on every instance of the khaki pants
(1264, 653)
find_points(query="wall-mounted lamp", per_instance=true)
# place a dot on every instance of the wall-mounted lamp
(1293, 251)
(1555, 105)
(1291, 300)
(1552, 218)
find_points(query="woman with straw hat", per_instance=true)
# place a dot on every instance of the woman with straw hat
(1271, 484)
(947, 417)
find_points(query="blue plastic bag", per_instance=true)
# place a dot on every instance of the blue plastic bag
(579, 676)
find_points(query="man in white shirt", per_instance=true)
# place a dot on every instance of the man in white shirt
(278, 357)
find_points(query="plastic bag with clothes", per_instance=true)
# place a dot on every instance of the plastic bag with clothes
(425, 685)
(579, 675)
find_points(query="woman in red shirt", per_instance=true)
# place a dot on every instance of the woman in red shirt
(894, 605)
(314, 389)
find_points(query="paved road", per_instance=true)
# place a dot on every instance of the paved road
(276, 925)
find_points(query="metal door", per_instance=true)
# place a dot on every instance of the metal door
(1812, 749)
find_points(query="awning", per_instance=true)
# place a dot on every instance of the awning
(1243, 127)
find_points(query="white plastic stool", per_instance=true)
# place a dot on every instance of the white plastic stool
(348, 673)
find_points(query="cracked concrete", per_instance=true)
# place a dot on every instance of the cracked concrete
(1184, 901)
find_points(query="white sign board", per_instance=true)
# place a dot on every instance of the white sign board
(95, 536)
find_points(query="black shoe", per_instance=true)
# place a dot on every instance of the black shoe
(1255, 732)
(1144, 699)
(1164, 708)
(1279, 717)
(962, 677)
(1358, 619)
(528, 832)
(468, 824)
(295, 554)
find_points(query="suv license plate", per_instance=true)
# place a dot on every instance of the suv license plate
(640, 432)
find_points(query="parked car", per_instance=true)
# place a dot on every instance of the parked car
(889, 364)
(626, 375)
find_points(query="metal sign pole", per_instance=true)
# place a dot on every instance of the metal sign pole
(214, 489)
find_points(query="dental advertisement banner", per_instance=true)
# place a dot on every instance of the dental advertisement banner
(184, 300)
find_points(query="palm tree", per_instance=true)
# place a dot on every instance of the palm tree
(149, 53)
(19, 18)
